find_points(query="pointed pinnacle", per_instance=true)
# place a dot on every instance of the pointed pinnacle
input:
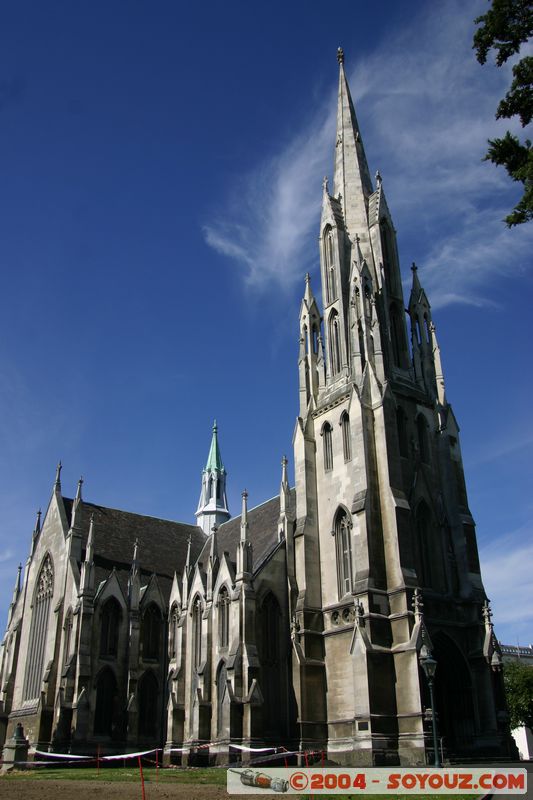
(90, 542)
(340, 55)
(78, 490)
(57, 484)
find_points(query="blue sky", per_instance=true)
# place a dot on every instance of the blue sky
(161, 182)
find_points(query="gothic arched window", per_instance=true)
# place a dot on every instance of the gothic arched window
(327, 438)
(396, 335)
(361, 344)
(109, 627)
(401, 423)
(197, 632)
(334, 343)
(423, 544)
(173, 631)
(67, 636)
(314, 338)
(221, 693)
(42, 600)
(148, 704)
(329, 265)
(223, 617)
(346, 438)
(343, 544)
(151, 630)
(106, 693)
(423, 441)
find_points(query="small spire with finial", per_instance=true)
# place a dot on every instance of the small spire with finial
(284, 463)
(57, 483)
(89, 550)
(378, 179)
(340, 55)
(78, 490)
(325, 186)
(418, 605)
(414, 268)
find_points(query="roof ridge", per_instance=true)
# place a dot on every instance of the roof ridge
(135, 514)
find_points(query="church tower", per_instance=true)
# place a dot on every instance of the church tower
(213, 503)
(384, 555)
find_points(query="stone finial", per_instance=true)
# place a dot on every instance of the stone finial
(418, 605)
(325, 184)
(379, 180)
(57, 483)
(487, 612)
(188, 557)
(78, 490)
(135, 559)
(37, 529)
(284, 463)
(340, 55)
(89, 550)
(413, 267)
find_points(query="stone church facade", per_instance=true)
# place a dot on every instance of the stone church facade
(300, 622)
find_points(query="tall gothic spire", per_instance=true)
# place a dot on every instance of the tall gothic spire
(351, 175)
(213, 504)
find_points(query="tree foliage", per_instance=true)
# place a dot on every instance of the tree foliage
(505, 27)
(518, 681)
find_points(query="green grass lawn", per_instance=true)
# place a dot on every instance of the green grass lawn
(210, 775)
(129, 773)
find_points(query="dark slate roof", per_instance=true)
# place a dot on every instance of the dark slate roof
(262, 532)
(162, 544)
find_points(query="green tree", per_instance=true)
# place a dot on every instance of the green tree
(518, 681)
(505, 27)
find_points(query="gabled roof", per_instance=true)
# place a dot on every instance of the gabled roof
(262, 532)
(162, 544)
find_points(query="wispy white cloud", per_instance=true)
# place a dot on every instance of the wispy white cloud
(427, 109)
(508, 580)
(5, 555)
(495, 450)
(280, 204)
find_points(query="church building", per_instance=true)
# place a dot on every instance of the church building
(303, 622)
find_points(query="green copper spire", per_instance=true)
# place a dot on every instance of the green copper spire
(214, 459)
(213, 504)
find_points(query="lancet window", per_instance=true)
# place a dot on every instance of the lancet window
(67, 637)
(327, 438)
(197, 632)
(343, 544)
(334, 343)
(346, 437)
(109, 628)
(423, 441)
(223, 617)
(151, 628)
(329, 264)
(401, 423)
(173, 632)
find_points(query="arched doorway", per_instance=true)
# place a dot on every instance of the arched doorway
(453, 696)
(148, 705)
(106, 694)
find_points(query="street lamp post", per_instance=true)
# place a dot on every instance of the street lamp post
(429, 665)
